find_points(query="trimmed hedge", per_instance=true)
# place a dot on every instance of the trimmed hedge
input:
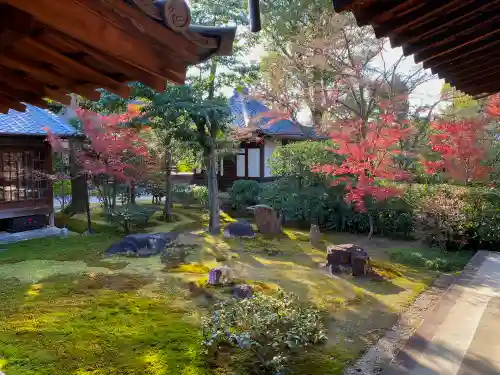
(447, 216)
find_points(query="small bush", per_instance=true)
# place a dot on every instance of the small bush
(272, 328)
(190, 194)
(129, 215)
(244, 193)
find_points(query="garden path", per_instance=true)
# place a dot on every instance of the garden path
(461, 335)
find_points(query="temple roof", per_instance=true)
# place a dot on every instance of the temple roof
(34, 121)
(51, 48)
(457, 39)
(249, 112)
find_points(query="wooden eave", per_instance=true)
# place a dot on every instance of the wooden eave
(51, 48)
(457, 39)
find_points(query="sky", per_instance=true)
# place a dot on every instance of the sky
(426, 94)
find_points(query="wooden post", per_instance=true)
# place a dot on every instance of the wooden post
(246, 160)
(262, 160)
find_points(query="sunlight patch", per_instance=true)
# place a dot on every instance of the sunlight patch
(32, 271)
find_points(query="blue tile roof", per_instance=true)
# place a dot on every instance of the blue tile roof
(32, 122)
(244, 108)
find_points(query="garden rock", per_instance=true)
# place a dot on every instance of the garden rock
(242, 291)
(176, 254)
(267, 220)
(241, 229)
(347, 257)
(142, 245)
(220, 275)
(315, 236)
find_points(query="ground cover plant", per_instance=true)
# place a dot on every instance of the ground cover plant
(133, 316)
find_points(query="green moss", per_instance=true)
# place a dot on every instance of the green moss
(191, 268)
(86, 248)
(62, 328)
(432, 259)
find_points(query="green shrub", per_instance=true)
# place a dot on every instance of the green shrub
(272, 328)
(129, 215)
(244, 193)
(433, 259)
(190, 194)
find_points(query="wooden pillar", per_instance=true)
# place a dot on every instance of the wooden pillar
(52, 221)
(262, 160)
(246, 160)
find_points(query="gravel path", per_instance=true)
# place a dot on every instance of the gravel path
(387, 347)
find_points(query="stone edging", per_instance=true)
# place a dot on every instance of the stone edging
(416, 325)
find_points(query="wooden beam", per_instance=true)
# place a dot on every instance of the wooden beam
(432, 63)
(105, 61)
(474, 75)
(44, 53)
(262, 157)
(423, 12)
(82, 23)
(470, 63)
(460, 40)
(438, 24)
(11, 103)
(15, 61)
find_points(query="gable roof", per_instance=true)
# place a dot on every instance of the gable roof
(244, 108)
(32, 123)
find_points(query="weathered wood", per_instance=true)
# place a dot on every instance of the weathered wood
(72, 67)
(11, 103)
(85, 24)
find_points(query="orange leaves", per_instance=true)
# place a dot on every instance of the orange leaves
(493, 106)
(462, 148)
(369, 150)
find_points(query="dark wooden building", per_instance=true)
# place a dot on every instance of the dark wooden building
(26, 198)
(457, 39)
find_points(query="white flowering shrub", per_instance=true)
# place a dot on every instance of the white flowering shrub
(271, 327)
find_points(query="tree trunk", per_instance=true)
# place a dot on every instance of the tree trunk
(370, 220)
(132, 192)
(78, 181)
(213, 193)
(113, 194)
(167, 208)
(87, 205)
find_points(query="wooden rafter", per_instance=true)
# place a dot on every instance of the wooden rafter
(457, 39)
(78, 21)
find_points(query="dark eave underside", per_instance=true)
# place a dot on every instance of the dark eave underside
(51, 48)
(457, 39)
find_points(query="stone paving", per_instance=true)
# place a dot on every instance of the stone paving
(461, 336)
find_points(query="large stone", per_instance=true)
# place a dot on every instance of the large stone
(242, 291)
(241, 229)
(142, 245)
(175, 256)
(361, 266)
(336, 254)
(220, 276)
(267, 220)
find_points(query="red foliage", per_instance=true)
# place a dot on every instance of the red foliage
(111, 149)
(461, 146)
(493, 106)
(369, 151)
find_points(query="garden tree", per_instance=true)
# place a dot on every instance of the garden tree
(224, 71)
(329, 64)
(369, 151)
(460, 105)
(463, 147)
(111, 153)
(171, 138)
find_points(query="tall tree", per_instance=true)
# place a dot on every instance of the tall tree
(332, 66)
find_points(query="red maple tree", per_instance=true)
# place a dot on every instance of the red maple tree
(461, 147)
(369, 151)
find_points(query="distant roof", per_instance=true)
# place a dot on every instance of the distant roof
(33, 121)
(244, 108)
